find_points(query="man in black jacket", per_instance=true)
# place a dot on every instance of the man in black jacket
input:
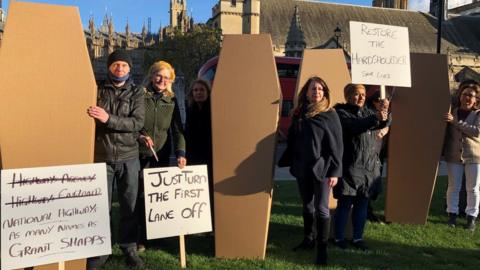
(119, 115)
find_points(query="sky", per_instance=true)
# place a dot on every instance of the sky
(137, 12)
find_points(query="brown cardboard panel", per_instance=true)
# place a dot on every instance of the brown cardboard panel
(416, 139)
(245, 111)
(46, 85)
(330, 65)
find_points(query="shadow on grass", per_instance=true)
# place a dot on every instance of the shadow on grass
(381, 254)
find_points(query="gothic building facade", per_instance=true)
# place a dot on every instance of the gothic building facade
(326, 25)
(103, 40)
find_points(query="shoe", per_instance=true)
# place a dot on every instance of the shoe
(470, 223)
(360, 244)
(306, 244)
(452, 220)
(342, 244)
(141, 248)
(94, 263)
(133, 260)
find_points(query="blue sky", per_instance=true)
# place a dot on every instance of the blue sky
(137, 11)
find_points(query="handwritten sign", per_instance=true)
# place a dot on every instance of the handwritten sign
(177, 201)
(53, 214)
(380, 54)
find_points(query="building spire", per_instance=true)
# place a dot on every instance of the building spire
(295, 40)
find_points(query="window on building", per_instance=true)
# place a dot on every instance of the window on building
(233, 3)
(287, 70)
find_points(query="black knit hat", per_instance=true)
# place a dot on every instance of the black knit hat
(119, 55)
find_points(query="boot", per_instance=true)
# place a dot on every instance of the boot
(323, 231)
(452, 220)
(132, 259)
(94, 263)
(308, 241)
(470, 223)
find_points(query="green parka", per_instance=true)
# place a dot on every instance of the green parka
(161, 113)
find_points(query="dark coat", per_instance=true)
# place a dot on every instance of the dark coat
(315, 146)
(198, 133)
(361, 164)
(116, 140)
(161, 114)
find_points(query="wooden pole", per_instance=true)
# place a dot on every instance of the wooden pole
(382, 92)
(183, 259)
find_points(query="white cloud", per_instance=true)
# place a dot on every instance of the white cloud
(419, 5)
(424, 5)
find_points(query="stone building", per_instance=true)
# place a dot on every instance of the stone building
(460, 34)
(103, 40)
(398, 4)
(236, 16)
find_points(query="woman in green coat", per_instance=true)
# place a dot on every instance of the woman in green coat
(162, 122)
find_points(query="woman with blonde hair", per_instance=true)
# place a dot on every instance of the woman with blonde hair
(162, 116)
(361, 164)
(462, 154)
(314, 154)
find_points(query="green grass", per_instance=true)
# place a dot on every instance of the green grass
(393, 246)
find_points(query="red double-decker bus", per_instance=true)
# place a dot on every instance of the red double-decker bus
(287, 69)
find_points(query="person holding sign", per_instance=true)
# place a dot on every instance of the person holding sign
(462, 154)
(375, 103)
(361, 165)
(119, 116)
(161, 115)
(314, 154)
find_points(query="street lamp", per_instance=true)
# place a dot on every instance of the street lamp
(338, 34)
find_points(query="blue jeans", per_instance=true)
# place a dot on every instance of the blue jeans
(359, 216)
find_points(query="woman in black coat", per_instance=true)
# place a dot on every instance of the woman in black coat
(361, 165)
(314, 154)
(198, 130)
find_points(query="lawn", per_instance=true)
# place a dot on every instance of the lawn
(393, 246)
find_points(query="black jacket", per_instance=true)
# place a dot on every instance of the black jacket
(116, 140)
(315, 146)
(198, 133)
(361, 164)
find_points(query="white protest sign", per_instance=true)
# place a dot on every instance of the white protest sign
(177, 201)
(380, 54)
(54, 214)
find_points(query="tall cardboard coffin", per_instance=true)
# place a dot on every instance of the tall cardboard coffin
(416, 139)
(47, 83)
(245, 112)
(330, 65)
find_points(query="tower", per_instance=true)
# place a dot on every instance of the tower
(295, 40)
(251, 17)
(177, 9)
(398, 4)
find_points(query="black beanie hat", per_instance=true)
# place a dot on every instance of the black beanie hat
(119, 55)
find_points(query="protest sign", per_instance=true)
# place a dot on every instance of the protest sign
(177, 201)
(380, 54)
(52, 214)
